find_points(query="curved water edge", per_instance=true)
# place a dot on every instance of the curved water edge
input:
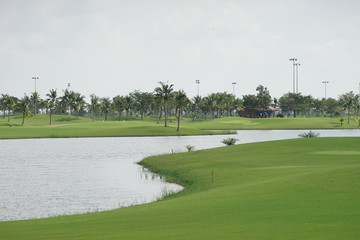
(50, 177)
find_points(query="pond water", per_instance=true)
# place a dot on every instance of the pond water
(50, 177)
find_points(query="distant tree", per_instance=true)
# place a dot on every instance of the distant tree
(294, 102)
(250, 103)
(52, 101)
(35, 99)
(9, 104)
(330, 106)
(119, 104)
(128, 104)
(2, 104)
(105, 106)
(142, 101)
(78, 103)
(349, 101)
(181, 101)
(263, 97)
(67, 100)
(94, 106)
(23, 106)
(164, 91)
(206, 106)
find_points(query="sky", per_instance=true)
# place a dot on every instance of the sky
(113, 47)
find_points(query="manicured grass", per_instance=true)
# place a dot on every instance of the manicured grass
(70, 126)
(274, 123)
(293, 189)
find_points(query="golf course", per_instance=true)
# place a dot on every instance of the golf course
(289, 189)
(65, 126)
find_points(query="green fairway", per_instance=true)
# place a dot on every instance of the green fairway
(274, 123)
(292, 189)
(70, 126)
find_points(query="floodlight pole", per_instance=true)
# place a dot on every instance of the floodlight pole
(297, 77)
(233, 84)
(198, 83)
(293, 60)
(325, 82)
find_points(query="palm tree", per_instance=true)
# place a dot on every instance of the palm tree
(165, 93)
(23, 107)
(349, 101)
(2, 104)
(105, 106)
(78, 103)
(119, 104)
(67, 99)
(94, 105)
(52, 101)
(35, 99)
(9, 104)
(142, 101)
(181, 101)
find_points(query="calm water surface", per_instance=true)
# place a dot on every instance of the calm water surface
(49, 177)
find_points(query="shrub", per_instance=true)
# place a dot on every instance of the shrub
(309, 134)
(229, 141)
(190, 148)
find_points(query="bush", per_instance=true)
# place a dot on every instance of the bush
(190, 148)
(229, 141)
(309, 134)
(280, 115)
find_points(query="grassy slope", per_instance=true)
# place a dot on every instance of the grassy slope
(274, 123)
(68, 126)
(294, 189)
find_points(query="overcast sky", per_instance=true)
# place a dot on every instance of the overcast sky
(112, 47)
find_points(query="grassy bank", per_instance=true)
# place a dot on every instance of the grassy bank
(69, 126)
(293, 189)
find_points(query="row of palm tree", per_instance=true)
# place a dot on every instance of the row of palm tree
(165, 101)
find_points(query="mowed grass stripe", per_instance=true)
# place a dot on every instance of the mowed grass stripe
(269, 190)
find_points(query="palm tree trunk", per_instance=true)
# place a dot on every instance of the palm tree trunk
(23, 119)
(178, 118)
(348, 115)
(165, 109)
(50, 117)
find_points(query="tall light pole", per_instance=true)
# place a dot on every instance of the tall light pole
(294, 61)
(297, 76)
(233, 84)
(198, 83)
(35, 78)
(325, 82)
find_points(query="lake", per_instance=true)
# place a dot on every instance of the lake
(51, 177)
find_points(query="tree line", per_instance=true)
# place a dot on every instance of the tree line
(165, 101)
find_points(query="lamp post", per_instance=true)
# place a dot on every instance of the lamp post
(198, 83)
(233, 84)
(325, 82)
(297, 76)
(294, 61)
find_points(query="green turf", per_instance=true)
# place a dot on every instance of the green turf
(291, 189)
(69, 126)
